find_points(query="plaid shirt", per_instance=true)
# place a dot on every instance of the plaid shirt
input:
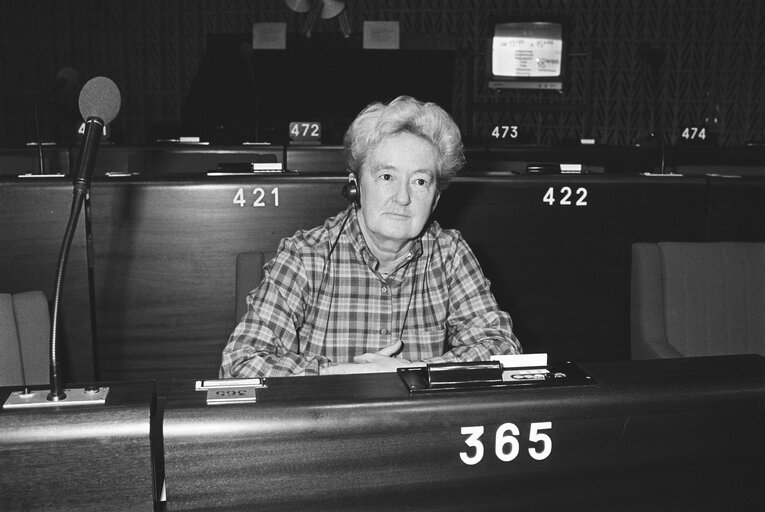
(318, 305)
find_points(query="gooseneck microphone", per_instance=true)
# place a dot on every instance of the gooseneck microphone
(246, 52)
(66, 80)
(99, 104)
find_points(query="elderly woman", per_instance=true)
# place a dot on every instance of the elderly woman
(378, 286)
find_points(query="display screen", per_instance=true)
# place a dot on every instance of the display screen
(529, 49)
(528, 54)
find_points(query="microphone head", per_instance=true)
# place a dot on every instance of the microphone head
(331, 8)
(69, 78)
(100, 98)
(301, 6)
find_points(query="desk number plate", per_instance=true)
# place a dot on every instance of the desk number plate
(231, 396)
(305, 132)
(230, 391)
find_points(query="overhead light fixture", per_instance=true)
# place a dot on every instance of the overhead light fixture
(328, 9)
(301, 6)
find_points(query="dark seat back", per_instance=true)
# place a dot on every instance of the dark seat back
(697, 299)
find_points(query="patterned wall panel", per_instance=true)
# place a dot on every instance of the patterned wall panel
(633, 68)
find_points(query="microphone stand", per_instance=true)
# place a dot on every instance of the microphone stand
(99, 104)
(56, 386)
(39, 136)
(93, 129)
(92, 287)
(245, 50)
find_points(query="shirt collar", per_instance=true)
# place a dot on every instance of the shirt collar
(361, 247)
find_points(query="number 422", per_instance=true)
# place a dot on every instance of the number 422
(566, 194)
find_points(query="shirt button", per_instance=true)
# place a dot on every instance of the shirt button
(384, 289)
(384, 332)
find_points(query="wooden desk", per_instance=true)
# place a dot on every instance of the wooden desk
(165, 254)
(680, 434)
(79, 458)
(737, 209)
(561, 269)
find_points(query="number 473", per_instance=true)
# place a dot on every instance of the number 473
(505, 131)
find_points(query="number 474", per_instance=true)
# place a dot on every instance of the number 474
(692, 132)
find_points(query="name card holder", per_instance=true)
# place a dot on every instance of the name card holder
(231, 391)
(500, 372)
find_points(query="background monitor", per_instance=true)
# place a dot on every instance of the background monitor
(527, 55)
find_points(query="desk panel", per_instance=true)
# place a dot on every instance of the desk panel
(737, 209)
(563, 270)
(651, 435)
(166, 254)
(166, 260)
(79, 458)
(24, 160)
(172, 159)
(316, 159)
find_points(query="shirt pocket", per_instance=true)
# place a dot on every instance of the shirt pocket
(423, 344)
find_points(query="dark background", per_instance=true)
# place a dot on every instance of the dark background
(703, 59)
(244, 95)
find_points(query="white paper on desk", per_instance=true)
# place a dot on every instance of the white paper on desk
(521, 360)
(523, 367)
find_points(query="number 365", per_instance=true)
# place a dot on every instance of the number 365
(506, 443)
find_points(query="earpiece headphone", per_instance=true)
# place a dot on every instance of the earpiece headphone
(351, 190)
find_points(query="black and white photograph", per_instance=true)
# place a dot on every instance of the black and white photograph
(382, 255)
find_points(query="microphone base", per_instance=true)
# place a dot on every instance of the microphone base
(54, 398)
(91, 395)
